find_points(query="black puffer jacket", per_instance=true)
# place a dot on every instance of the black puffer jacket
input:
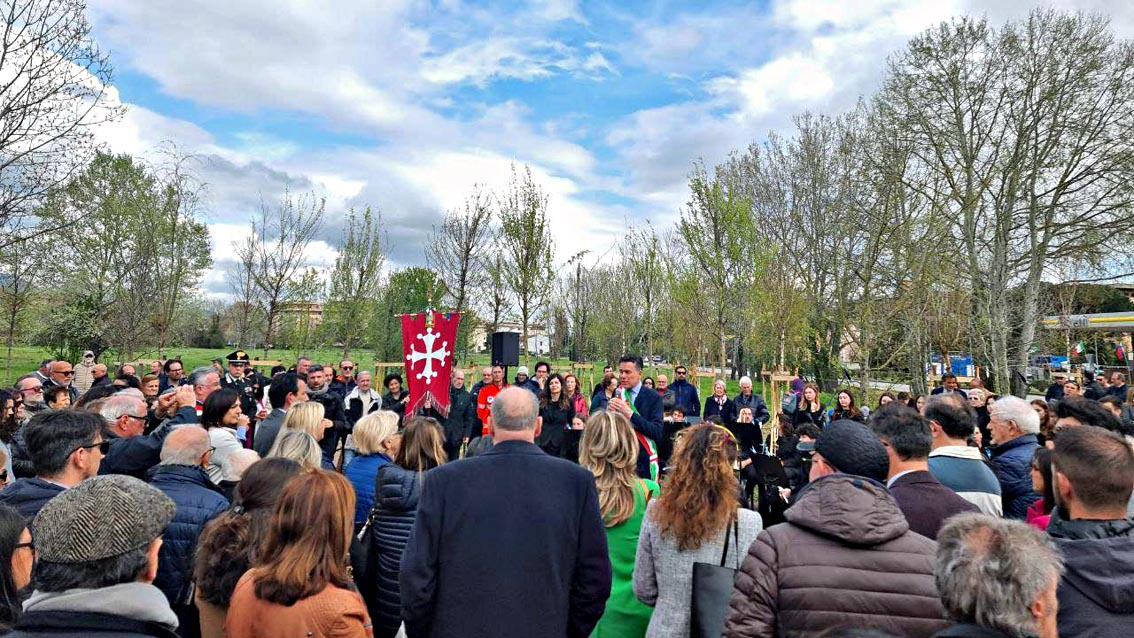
(396, 494)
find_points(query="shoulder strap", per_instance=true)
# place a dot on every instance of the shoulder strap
(724, 552)
(736, 539)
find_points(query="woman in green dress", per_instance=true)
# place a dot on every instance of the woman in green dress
(609, 449)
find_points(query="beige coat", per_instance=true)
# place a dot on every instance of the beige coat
(332, 613)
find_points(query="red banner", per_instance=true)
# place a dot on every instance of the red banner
(429, 358)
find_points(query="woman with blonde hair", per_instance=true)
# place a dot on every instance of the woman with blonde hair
(300, 447)
(398, 490)
(306, 416)
(695, 516)
(300, 584)
(609, 449)
(376, 444)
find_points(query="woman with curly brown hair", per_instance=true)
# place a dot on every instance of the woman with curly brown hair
(609, 449)
(689, 523)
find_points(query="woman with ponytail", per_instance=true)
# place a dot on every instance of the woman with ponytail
(609, 449)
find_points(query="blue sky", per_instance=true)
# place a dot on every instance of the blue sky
(405, 105)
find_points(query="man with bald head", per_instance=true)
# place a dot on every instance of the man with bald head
(62, 373)
(513, 521)
(181, 476)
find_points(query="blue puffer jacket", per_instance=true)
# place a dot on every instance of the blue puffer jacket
(362, 473)
(198, 501)
(29, 495)
(1013, 463)
(397, 490)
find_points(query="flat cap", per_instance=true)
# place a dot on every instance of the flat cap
(99, 518)
(852, 448)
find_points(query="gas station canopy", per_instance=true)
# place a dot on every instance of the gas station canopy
(1110, 321)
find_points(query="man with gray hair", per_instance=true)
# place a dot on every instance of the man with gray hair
(204, 381)
(233, 469)
(131, 451)
(181, 476)
(1014, 425)
(512, 521)
(97, 550)
(749, 433)
(997, 578)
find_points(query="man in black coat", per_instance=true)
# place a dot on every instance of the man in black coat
(643, 407)
(462, 413)
(334, 409)
(517, 525)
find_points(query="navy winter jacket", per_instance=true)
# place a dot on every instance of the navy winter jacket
(1013, 463)
(198, 501)
(397, 493)
(29, 495)
(135, 455)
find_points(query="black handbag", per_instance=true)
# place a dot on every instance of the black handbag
(712, 588)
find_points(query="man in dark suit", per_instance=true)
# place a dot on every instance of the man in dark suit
(908, 438)
(286, 389)
(949, 385)
(643, 407)
(513, 523)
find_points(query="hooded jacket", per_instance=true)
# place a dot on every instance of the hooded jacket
(846, 554)
(127, 610)
(353, 404)
(1096, 593)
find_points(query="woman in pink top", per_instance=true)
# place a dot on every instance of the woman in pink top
(1040, 512)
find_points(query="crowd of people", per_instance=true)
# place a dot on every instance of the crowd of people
(219, 501)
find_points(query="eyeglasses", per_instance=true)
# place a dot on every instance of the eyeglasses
(134, 416)
(66, 373)
(30, 545)
(680, 373)
(348, 367)
(103, 447)
(32, 390)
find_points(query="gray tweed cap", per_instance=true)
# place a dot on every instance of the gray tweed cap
(99, 518)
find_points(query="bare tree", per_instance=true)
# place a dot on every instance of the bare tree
(19, 288)
(356, 279)
(53, 80)
(527, 245)
(245, 310)
(642, 253)
(276, 252)
(181, 241)
(457, 251)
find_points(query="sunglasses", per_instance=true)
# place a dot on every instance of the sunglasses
(103, 447)
(348, 367)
